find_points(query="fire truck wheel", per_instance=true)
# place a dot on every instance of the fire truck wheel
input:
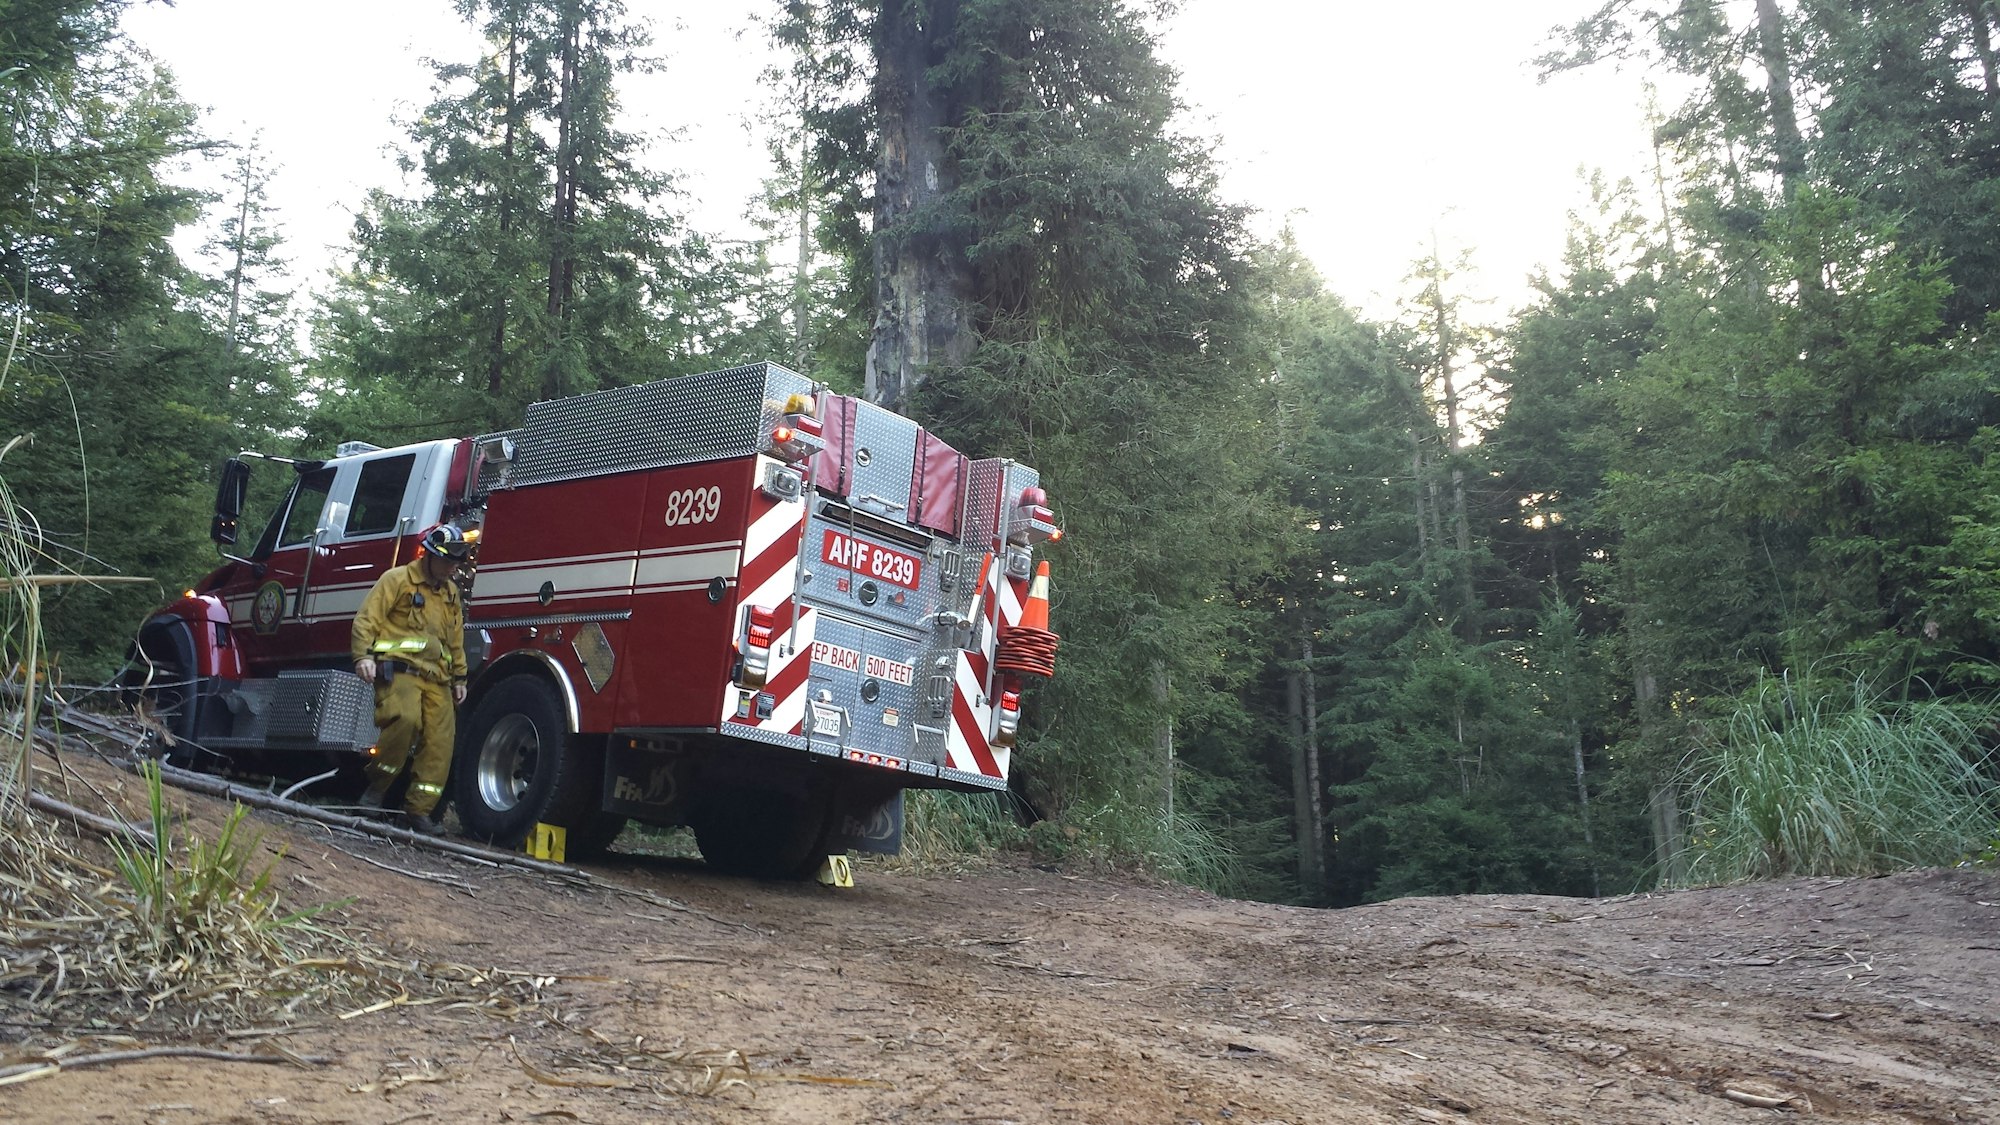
(765, 834)
(165, 685)
(517, 764)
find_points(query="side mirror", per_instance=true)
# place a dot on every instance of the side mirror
(230, 494)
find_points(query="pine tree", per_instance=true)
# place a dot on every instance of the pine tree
(536, 260)
(106, 365)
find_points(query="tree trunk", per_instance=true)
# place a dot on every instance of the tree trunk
(1976, 14)
(1315, 824)
(562, 260)
(1417, 480)
(1664, 798)
(1164, 737)
(496, 355)
(1790, 146)
(802, 274)
(1660, 182)
(1302, 823)
(242, 243)
(1468, 618)
(923, 285)
(1583, 794)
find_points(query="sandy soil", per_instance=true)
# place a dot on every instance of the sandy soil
(1026, 995)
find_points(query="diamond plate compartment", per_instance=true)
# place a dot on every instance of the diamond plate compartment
(494, 474)
(887, 724)
(981, 525)
(916, 609)
(320, 710)
(885, 462)
(706, 417)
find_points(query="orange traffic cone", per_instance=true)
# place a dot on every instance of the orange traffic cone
(1029, 648)
(1035, 615)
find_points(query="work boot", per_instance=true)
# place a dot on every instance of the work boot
(420, 823)
(378, 791)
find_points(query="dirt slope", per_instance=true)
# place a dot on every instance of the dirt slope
(1024, 995)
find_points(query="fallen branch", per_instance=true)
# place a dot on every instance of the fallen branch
(1760, 1101)
(652, 899)
(258, 799)
(43, 1068)
(39, 580)
(117, 829)
(679, 960)
(426, 876)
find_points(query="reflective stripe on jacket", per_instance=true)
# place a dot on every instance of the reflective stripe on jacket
(404, 607)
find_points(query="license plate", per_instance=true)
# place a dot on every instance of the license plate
(826, 721)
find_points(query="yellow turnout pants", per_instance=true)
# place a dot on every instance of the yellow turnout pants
(414, 712)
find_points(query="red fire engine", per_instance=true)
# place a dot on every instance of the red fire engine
(736, 601)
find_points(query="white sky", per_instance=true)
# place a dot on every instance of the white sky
(1369, 124)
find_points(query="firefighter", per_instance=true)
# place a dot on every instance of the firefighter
(409, 641)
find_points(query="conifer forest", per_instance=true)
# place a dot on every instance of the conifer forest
(1685, 570)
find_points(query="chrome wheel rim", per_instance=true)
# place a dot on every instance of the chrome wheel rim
(507, 762)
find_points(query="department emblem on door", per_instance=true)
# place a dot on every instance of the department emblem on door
(268, 608)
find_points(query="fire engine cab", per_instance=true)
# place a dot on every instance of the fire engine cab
(735, 601)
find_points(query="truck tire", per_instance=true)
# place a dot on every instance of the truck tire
(169, 693)
(517, 765)
(762, 833)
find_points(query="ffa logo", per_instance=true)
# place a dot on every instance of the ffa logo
(268, 608)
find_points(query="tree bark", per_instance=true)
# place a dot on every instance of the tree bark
(1315, 811)
(1660, 184)
(1664, 797)
(497, 353)
(1303, 828)
(1976, 15)
(1164, 736)
(923, 285)
(1583, 794)
(563, 253)
(802, 274)
(1789, 144)
(248, 167)
(1468, 618)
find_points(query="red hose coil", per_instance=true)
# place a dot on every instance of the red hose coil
(1028, 651)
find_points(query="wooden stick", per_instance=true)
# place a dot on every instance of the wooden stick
(257, 798)
(119, 829)
(1760, 1101)
(109, 1057)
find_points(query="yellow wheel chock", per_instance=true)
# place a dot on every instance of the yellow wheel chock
(836, 872)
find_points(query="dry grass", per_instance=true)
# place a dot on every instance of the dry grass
(179, 933)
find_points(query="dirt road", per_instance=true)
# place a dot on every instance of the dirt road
(1018, 994)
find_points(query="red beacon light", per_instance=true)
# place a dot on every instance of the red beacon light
(1033, 521)
(797, 436)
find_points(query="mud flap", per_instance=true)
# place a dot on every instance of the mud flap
(642, 783)
(867, 821)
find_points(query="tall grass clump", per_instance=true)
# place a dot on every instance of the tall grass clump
(200, 905)
(1120, 834)
(1804, 780)
(179, 928)
(20, 646)
(943, 830)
